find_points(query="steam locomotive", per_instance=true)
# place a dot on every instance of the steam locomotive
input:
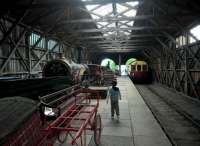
(64, 67)
(77, 72)
(23, 115)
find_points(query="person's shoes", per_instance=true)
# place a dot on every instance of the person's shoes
(112, 117)
(117, 118)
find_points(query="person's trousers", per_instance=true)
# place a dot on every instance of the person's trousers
(114, 108)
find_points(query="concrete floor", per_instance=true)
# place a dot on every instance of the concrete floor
(137, 126)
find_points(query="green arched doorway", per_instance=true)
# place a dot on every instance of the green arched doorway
(109, 63)
(128, 62)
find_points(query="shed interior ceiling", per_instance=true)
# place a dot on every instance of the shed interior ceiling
(106, 25)
(165, 33)
(113, 11)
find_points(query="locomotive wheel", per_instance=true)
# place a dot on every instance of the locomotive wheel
(97, 129)
(62, 137)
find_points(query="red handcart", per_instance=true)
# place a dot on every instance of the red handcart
(72, 124)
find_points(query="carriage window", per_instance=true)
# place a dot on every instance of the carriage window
(139, 68)
(144, 68)
(132, 67)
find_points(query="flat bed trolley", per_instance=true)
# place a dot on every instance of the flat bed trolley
(71, 125)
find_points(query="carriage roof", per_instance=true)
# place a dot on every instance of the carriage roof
(139, 63)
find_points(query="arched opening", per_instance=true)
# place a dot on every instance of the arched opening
(128, 62)
(131, 60)
(109, 63)
(122, 70)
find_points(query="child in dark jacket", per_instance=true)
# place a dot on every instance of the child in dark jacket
(114, 95)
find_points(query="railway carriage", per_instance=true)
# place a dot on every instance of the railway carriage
(139, 71)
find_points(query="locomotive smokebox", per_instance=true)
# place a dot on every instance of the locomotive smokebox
(67, 68)
(59, 67)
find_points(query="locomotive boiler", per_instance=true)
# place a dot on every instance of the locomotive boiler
(64, 67)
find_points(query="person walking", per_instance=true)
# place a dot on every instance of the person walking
(114, 95)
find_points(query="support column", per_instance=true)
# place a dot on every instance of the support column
(80, 50)
(119, 64)
(186, 63)
(28, 50)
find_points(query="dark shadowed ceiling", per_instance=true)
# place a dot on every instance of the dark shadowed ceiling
(105, 25)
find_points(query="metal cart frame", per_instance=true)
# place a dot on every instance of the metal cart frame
(75, 121)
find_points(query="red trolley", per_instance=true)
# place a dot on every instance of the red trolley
(72, 124)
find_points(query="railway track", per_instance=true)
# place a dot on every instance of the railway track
(180, 128)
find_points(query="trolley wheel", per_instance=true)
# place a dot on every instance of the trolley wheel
(97, 129)
(62, 136)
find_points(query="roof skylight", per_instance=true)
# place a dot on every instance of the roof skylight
(121, 8)
(111, 25)
(196, 32)
(104, 10)
(124, 26)
(133, 4)
(130, 23)
(130, 13)
(103, 23)
(95, 16)
(91, 7)
(115, 14)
